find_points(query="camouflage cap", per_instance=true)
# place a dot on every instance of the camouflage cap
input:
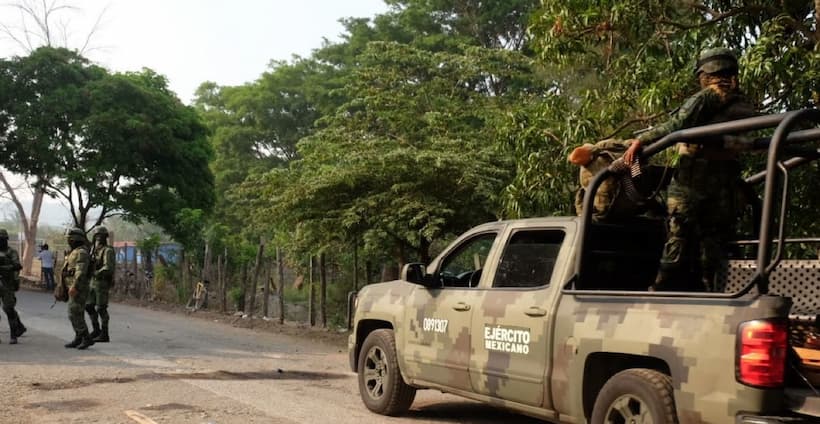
(3, 233)
(716, 60)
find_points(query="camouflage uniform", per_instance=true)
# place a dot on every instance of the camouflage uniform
(75, 274)
(701, 200)
(10, 283)
(608, 198)
(102, 278)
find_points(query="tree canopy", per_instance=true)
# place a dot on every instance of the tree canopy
(122, 143)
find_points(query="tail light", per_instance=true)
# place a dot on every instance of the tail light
(761, 353)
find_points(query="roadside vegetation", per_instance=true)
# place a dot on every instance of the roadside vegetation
(420, 123)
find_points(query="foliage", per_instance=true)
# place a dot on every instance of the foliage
(235, 294)
(400, 164)
(621, 65)
(120, 142)
(166, 280)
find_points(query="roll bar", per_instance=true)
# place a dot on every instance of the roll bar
(784, 123)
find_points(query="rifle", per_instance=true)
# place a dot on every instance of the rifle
(92, 260)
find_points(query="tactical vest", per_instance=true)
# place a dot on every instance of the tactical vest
(736, 106)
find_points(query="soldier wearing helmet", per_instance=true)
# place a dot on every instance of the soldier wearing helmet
(10, 283)
(701, 199)
(75, 273)
(102, 278)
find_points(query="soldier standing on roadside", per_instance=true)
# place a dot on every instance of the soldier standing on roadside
(10, 283)
(75, 275)
(701, 199)
(102, 278)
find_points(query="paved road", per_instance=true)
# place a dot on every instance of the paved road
(170, 368)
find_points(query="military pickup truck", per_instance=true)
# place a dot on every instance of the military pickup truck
(551, 317)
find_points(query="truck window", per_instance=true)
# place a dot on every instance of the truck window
(529, 258)
(462, 268)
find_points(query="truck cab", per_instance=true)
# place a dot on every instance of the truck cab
(552, 317)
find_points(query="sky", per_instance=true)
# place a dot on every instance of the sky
(192, 41)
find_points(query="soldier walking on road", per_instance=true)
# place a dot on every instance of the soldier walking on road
(75, 276)
(701, 201)
(10, 283)
(102, 278)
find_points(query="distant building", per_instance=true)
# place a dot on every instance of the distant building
(168, 252)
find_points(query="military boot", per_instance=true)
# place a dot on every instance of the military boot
(103, 336)
(19, 329)
(74, 343)
(85, 341)
(16, 326)
(13, 329)
(95, 322)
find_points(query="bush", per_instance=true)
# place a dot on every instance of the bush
(166, 281)
(236, 294)
(297, 295)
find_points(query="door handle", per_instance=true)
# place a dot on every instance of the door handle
(461, 306)
(535, 311)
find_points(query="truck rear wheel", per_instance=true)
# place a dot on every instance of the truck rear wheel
(381, 386)
(636, 396)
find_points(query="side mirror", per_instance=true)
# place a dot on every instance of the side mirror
(416, 273)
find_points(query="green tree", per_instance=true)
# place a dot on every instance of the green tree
(120, 142)
(410, 158)
(621, 65)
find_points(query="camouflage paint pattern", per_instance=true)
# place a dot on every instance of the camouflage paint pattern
(695, 337)
(9, 279)
(702, 210)
(609, 197)
(75, 273)
(103, 277)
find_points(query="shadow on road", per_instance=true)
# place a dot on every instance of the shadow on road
(465, 412)
(65, 405)
(221, 375)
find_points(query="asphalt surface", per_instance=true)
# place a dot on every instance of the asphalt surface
(166, 367)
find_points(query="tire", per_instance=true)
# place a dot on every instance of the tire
(638, 396)
(381, 386)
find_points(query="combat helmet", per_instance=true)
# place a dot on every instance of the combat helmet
(101, 232)
(3, 233)
(75, 234)
(716, 60)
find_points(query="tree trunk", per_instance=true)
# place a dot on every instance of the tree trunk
(311, 297)
(206, 264)
(218, 285)
(280, 288)
(244, 282)
(266, 290)
(323, 289)
(356, 262)
(817, 21)
(223, 284)
(255, 283)
(368, 270)
(28, 223)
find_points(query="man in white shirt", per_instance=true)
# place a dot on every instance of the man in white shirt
(46, 258)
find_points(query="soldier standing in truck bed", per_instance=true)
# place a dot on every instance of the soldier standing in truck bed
(701, 199)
